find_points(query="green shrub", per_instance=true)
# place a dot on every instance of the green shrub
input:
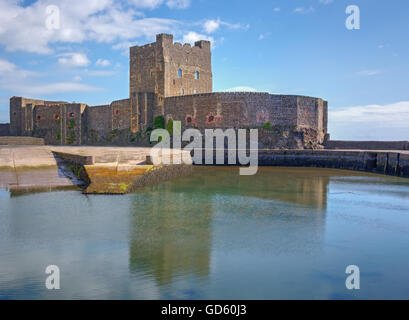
(169, 126)
(71, 124)
(159, 122)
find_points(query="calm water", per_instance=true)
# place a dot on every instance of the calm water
(285, 233)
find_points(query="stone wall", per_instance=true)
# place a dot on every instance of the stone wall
(145, 106)
(288, 121)
(154, 68)
(283, 121)
(146, 69)
(21, 141)
(59, 124)
(313, 113)
(121, 114)
(232, 110)
(195, 65)
(21, 114)
(4, 129)
(390, 163)
(98, 123)
(368, 145)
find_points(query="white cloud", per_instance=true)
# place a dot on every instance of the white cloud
(264, 35)
(58, 87)
(99, 73)
(379, 122)
(303, 10)
(178, 4)
(9, 70)
(25, 82)
(325, 2)
(74, 59)
(149, 4)
(77, 78)
(191, 37)
(152, 4)
(368, 73)
(211, 26)
(277, 9)
(241, 89)
(102, 63)
(35, 89)
(24, 27)
(6, 66)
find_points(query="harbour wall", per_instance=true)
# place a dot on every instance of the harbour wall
(367, 145)
(395, 163)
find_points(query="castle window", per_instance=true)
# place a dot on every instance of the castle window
(116, 112)
(210, 119)
(71, 115)
(182, 91)
(189, 120)
(56, 117)
(38, 117)
(195, 91)
(197, 75)
(180, 73)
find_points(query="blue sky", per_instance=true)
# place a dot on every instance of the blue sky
(282, 46)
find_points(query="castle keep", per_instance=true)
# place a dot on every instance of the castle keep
(172, 81)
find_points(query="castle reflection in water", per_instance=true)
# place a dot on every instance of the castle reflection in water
(173, 233)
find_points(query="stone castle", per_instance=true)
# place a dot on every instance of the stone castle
(172, 82)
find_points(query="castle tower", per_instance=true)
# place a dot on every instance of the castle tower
(167, 69)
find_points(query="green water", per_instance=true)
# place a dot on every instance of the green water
(284, 233)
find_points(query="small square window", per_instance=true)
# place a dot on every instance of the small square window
(195, 91)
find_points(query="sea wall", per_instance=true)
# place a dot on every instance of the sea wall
(367, 145)
(390, 163)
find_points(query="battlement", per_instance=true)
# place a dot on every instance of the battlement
(169, 68)
(166, 40)
(241, 94)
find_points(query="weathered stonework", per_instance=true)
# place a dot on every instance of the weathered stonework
(174, 81)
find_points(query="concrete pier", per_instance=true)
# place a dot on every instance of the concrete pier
(112, 170)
